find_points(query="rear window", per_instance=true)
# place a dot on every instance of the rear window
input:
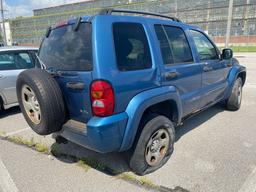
(66, 49)
(131, 45)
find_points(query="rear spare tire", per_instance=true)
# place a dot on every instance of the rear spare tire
(41, 101)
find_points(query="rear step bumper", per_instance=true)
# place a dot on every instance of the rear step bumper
(101, 134)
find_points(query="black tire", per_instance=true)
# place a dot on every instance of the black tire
(1, 105)
(138, 162)
(233, 103)
(49, 97)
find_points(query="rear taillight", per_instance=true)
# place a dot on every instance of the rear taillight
(102, 97)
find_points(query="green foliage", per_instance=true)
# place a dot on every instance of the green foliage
(242, 48)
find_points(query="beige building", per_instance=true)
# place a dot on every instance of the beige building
(210, 15)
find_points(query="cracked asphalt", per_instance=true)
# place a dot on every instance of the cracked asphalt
(214, 151)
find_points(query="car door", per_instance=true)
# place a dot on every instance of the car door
(213, 78)
(179, 68)
(11, 64)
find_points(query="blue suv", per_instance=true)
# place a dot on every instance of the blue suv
(114, 82)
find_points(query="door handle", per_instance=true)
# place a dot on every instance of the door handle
(171, 75)
(75, 85)
(207, 68)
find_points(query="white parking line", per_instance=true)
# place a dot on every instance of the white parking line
(6, 182)
(16, 132)
(250, 183)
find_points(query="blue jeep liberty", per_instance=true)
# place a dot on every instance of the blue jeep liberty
(116, 82)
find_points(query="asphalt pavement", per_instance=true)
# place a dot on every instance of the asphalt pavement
(214, 151)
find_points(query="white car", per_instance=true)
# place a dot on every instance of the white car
(14, 60)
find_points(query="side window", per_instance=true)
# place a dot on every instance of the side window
(205, 48)
(164, 45)
(15, 60)
(131, 45)
(6, 61)
(174, 45)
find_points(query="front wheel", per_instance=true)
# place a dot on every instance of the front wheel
(154, 146)
(233, 103)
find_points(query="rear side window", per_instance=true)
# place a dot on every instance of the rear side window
(15, 60)
(131, 46)
(174, 45)
(66, 49)
(205, 48)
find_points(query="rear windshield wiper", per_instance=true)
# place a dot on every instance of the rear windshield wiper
(43, 66)
(77, 24)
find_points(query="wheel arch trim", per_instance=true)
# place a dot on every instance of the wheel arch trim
(233, 75)
(138, 105)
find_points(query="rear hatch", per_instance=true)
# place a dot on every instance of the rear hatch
(67, 54)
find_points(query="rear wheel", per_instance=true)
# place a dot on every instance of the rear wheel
(233, 103)
(41, 101)
(154, 146)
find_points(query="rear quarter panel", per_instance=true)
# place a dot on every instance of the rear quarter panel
(126, 84)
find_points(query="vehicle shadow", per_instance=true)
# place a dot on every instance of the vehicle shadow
(197, 120)
(11, 111)
(116, 163)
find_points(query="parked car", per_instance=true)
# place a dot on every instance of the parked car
(13, 60)
(123, 83)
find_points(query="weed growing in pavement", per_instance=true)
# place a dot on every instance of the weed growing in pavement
(138, 180)
(41, 148)
(87, 163)
(81, 164)
(2, 134)
(29, 143)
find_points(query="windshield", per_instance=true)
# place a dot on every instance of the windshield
(66, 49)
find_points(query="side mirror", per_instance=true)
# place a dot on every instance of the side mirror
(227, 54)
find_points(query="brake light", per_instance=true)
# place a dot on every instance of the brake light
(61, 24)
(102, 98)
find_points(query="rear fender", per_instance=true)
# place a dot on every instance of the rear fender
(140, 103)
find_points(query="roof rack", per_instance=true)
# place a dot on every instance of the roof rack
(110, 11)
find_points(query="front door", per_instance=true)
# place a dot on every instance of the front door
(213, 78)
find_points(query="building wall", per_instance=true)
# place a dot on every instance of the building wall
(210, 15)
(7, 32)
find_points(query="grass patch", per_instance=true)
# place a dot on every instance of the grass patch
(93, 163)
(146, 181)
(29, 143)
(41, 148)
(16, 139)
(83, 165)
(242, 48)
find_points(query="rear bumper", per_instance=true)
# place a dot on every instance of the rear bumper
(103, 135)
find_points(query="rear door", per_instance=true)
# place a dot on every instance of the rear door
(67, 54)
(11, 64)
(179, 68)
(213, 78)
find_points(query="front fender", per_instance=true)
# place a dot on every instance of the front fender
(140, 103)
(233, 74)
